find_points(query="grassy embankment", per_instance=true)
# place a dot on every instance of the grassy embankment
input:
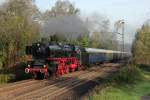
(13, 74)
(130, 83)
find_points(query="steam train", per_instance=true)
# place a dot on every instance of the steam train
(58, 59)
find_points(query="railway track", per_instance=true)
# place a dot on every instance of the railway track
(15, 85)
(59, 93)
(49, 89)
(18, 88)
(64, 89)
(24, 89)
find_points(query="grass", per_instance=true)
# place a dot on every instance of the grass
(133, 87)
(13, 74)
(124, 93)
(5, 78)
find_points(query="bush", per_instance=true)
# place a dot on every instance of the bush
(128, 74)
(144, 67)
(15, 73)
(5, 78)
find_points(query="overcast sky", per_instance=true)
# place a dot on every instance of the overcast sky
(1, 1)
(134, 12)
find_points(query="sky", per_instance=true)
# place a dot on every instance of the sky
(1, 1)
(134, 12)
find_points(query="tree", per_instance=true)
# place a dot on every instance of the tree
(141, 45)
(57, 38)
(61, 8)
(100, 36)
(95, 40)
(17, 30)
(83, 40)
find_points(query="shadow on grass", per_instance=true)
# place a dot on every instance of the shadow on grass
(144, 67)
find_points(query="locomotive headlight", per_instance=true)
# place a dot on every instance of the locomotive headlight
(44, 66)
(29, 66)
(27, 70)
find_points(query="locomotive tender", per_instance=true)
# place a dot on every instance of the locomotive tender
(59, 59)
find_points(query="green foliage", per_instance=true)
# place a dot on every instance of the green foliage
(83, 41)
(141, 45)
(58, 38)
(125, 91)
(144, 67)
(5, 78)
(127, 75)
(17, 30)
(17, 72)
(103, 40)
(95, 40)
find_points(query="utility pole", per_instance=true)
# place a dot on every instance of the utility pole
(119, 25)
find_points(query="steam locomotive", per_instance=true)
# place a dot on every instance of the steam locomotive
(58, 59)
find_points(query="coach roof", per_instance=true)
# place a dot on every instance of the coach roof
(94, 50)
